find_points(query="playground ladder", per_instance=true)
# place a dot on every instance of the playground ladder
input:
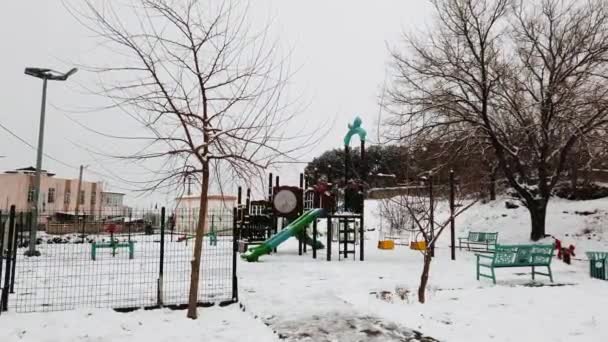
(347, 237)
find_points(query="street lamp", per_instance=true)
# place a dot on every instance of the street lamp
(45, 75)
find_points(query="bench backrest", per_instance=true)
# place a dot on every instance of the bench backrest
(523, 255)
(597, 255)
(482, 237)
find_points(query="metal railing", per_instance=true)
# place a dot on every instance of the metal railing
(113, 261)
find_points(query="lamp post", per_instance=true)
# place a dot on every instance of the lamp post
(45, 75)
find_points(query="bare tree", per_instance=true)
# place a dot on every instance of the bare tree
(426, 225)
(530, 78)
(391, 210)
(206, 86)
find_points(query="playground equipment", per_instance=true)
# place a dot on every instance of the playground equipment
(113, 244)
(351, 215)
(388, 238)
(386, 244)
(254, 220)
(212, 235)
(296, 209)
(417, 243)
(293, 229)
(258, 221)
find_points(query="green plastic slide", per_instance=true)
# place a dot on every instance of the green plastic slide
(297, 226)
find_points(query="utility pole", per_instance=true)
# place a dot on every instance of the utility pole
(78, 191)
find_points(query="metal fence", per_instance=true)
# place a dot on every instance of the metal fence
(117, 261)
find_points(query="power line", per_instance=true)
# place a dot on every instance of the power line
(49, 156)
(34, 148)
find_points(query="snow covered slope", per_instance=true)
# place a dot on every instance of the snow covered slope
(582, 223)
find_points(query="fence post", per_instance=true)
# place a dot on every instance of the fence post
(2, 231)
(172, 220)
(162, 256)
(7, 272)
(235, 248)
(14, 263)
(1, 259)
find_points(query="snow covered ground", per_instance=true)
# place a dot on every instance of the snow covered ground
(307, 300)
(215, 324)
(295, 298)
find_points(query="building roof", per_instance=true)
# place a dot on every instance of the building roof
(209, 197)
(29, 169)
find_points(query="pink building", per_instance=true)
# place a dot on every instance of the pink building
(58, 195)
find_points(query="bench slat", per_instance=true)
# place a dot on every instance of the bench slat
(487, 239)
(519, 256)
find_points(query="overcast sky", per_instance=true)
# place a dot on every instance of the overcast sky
(339, 48)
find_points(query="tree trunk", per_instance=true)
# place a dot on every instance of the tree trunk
(574, 178)
(492, 186)
(424, 278)
(587, 175)
(538, 213)
(198, 245)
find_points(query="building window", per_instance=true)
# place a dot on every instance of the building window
(93, 199)
(66, 197)
(51, 196)
(30, 194)
(81, 198)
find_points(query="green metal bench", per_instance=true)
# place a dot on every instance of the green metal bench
(113, 245)
(487, 240)
(598, 265)
(516, 256)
